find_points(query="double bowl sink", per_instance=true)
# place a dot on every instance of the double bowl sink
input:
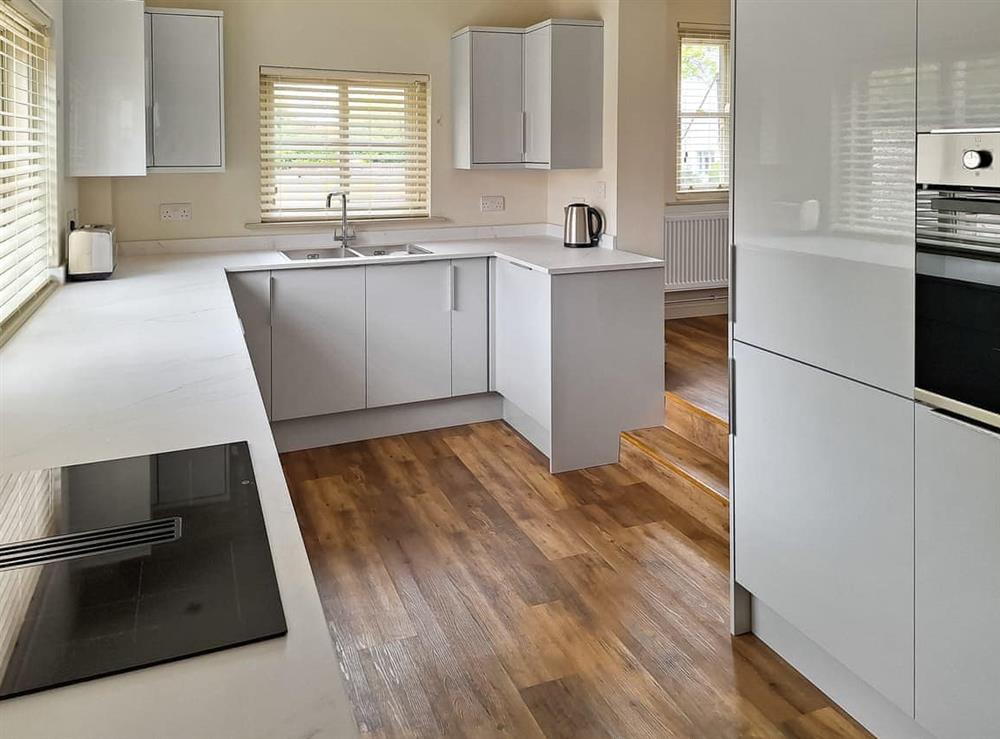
(354, 252)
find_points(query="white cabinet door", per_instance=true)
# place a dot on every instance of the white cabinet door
(823, 185)
(105, 89)
(497, 126)
(252, 296)
(408, 320)
(538, 95)
(823, 505)
(957, 580)
(186, 54)
(577, 103)
(958, 64)
(523, 341)
(317, 341)
(469, 327)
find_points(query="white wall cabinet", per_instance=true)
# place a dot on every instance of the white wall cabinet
(958, 69)
(408, 330)
(823, 501)
(105, 88)
(528, 98)
(823, 185)
(252, 297)
(957, 586)
(184, 95)
(317, 341)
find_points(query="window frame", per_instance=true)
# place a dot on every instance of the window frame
(707, 33)
(267, 216)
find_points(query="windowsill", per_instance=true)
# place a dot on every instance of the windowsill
(700, 198)
(16, 320)
(360, 225)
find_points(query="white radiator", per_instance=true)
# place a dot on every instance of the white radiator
(695, 249)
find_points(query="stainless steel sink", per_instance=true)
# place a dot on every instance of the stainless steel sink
(388, 250)
(331, 252)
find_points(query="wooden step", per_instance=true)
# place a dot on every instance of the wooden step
(699, 426)
(681, 471)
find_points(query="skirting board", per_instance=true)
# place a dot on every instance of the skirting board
(876, 713)
(371, 423)
(691, 303)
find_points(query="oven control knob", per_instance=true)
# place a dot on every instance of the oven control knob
(977, 159)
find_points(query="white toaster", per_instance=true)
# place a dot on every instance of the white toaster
(91, 253)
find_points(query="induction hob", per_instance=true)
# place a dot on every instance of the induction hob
(117, 565)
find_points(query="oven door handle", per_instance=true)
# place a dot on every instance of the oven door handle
(966, 205)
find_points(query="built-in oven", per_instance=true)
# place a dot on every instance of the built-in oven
(958, 273)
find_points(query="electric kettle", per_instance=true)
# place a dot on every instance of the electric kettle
(579, 228)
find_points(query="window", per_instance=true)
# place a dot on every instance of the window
(362, 133)
(28, 232)
(703, 110)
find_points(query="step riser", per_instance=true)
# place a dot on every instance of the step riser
(697, 426)
(709, 509)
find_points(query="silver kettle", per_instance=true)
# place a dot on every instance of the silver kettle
(579, 228)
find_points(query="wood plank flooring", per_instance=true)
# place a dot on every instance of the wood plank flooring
(696, 362)
(470, 593)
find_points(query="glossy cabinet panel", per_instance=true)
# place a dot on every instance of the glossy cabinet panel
(497, 127)
(408, 332)
(959, 64)
(186, 95)
(252, 297)
(957, 586)
(317, 341)
(469, 327)
(538, 95)
(823, 184)
(105, 88)
(823, 512)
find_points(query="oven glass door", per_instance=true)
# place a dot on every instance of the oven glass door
(958, 329)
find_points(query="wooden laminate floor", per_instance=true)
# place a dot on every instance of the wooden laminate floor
(696, 369)
(470, 593)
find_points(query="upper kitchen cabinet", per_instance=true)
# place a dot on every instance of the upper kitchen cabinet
(105, 88)
(528, 98)
(958, 78)
(823, 185)
(184, 91)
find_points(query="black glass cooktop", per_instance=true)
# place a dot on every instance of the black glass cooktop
(117, 565)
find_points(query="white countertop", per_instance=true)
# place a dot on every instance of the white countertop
(543, 253)
(152, 360)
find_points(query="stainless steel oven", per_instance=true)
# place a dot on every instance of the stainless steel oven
(958, 273)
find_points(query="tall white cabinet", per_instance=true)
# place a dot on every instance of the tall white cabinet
(957, 585)
(823, 185)
(528, 98)
(184, 91)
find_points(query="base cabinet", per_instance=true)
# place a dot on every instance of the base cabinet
(252, 297)
(317, 342)
(823, 506)
(957, 580)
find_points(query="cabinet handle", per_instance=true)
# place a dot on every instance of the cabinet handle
(732, 396)
(524, 132)
(732, 283)
(968, 423)
(451, 287)
(522, 266)
(270, 298)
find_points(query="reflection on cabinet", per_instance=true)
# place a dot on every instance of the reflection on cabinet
(823, 473)
(408, 330)
(528, 98)
(184, 95)
(957, 588)
(105, 125)
(317, 341)
(469, 327)
(830, 134)
(958, 64)
(252, 297)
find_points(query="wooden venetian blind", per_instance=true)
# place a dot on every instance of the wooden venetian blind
(703, 110)
(362, 133)
(27, 160)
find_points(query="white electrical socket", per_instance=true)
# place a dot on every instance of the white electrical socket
(175, 211)
(491, 203)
